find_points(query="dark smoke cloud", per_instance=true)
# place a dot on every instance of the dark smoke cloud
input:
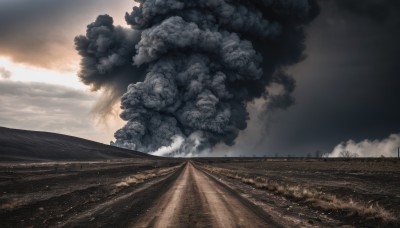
(106, 52)
(378, 10)
(346, 89)
(204, 61)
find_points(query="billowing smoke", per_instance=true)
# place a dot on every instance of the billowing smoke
(368, 148)
(106, 63)
(191, 67)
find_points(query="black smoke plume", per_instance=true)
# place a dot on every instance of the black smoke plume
(106, 63)
(192, 66)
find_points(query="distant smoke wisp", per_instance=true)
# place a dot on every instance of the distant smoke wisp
(190, 67)
(369, 148)
(4, 73)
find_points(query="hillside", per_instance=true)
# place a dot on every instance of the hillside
(20, 145)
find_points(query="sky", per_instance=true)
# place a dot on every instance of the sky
(347, 89)
(40, 89)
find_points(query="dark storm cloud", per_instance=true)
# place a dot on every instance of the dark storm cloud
(348, 88)
(205, 60)
(39, 106)
(40, 32)
(379, 10)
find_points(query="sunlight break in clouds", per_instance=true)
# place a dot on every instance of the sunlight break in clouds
(25, 73)
(376, 148)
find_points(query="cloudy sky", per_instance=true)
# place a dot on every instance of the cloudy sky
(348, 88)
(39, 89)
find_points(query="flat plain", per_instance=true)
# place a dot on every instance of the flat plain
(361, 192)
(204, 192)
(51, 180)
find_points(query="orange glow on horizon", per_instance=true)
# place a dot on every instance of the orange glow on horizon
(26, 73)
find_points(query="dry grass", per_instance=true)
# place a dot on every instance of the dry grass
(146, 175)
(308, 196)
(15, 201)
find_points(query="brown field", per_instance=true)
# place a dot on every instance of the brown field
(204, 192)
(354, 192)
(69, 193)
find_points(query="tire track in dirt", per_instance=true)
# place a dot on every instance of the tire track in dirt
(117, 210)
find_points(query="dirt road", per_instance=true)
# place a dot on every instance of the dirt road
(121, 194)
(198, 200)
(181, 193)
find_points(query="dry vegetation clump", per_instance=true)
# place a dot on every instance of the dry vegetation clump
(309, 196)
(146, 175)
